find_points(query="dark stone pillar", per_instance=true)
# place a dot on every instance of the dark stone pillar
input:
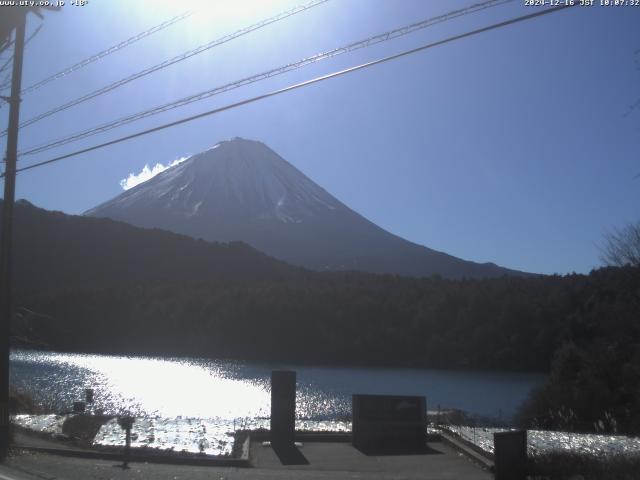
(283, 407)
(510, 455)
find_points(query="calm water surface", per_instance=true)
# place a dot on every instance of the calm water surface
(226, 389)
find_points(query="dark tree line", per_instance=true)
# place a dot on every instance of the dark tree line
(93, 285)
(595, 375)
(505, 324)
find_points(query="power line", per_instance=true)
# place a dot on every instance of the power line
(298, 85)
(379, 38)
(171, 61)
(6, 78)
(106, 52)
(5, 46)
(6, 64)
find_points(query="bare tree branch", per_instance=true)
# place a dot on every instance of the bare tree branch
(622, 246)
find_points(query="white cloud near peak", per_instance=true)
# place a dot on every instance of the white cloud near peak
(147, 173)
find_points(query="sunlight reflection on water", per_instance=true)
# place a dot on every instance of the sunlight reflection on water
(171, 387)
(141, 386)
(194, 404)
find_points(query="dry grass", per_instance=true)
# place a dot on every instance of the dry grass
(570, 466)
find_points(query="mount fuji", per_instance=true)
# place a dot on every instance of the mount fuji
(242, 190)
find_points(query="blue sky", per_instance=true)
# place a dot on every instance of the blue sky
(511, 147)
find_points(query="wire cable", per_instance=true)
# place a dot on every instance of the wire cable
(6, 64)
(298, 85)
(104, 53)
(389, 35)
(171, 61)
(10, 59)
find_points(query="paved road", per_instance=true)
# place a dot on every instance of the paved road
(7, 473)
(326, 461)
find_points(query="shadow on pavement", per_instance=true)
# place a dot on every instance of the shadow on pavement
(288, 454)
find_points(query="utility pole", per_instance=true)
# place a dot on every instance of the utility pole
(7, 230)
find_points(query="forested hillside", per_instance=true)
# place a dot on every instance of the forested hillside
(95, 285)
(53, 250)
(89, 284)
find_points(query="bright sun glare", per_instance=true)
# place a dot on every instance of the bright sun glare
(211, 19)
(232, 13)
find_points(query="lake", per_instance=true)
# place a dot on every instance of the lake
(235, 390)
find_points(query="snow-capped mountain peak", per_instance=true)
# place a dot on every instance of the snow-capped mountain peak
(240, 177)
(242, 190)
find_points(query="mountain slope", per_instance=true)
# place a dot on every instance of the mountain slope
(95, 285)
(242, 190)
(54, 250)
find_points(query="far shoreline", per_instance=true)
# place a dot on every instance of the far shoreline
(284, 361)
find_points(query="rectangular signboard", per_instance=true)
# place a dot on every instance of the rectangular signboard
(389, 422)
